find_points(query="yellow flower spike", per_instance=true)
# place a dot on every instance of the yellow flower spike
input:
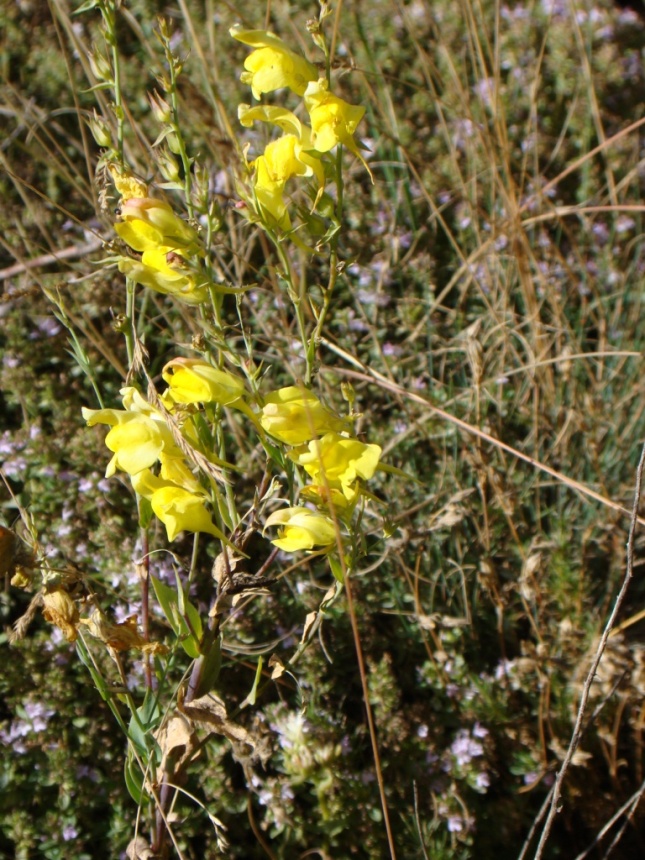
(180, 510)
(338, 462)
(192, 380)
(272, 65)
(333, 120)
(302, 528)
(149, 224)
(165, 271)
(295, 415)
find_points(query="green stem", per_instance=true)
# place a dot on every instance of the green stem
(174, 68)
(296, 300)
(327, 292)
(109, 19)
(129, 328)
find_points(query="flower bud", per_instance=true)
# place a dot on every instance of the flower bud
(160, 108)
(302, 528)
(192, 380)
(168, 166)
(173, 143)
(100, 131)
(100, 66)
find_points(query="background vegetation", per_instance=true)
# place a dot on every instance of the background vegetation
(489, 320)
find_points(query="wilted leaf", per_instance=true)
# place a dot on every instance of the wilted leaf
(210, 712)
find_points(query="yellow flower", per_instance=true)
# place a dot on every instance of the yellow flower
(165, 270)
(295, 415)
(192, 380)
(180, 511)
(333, 120)
(282, 159)
(149, 224)
(139, 434)
(338, 462)
(290, 155)
(285, 119)
(179, 507)
(302, 528)
(272, 65)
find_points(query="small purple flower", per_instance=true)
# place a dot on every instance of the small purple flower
(392, 349)
(482, 781)
(10, 361)
(484, 89)
(455, 823)
(69, 832)
(465, 749)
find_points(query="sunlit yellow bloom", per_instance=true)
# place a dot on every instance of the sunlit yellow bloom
(179, 507)
(176, 471)
(338, 462)
(295, 415)
(302, 529)
(166, 271)
(272, 65)
(149, 224)
(333, 120)
(282, 159)
(180, 511)
(192, 380)
(285, 119)
(139, 434)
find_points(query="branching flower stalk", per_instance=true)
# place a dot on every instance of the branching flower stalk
(172, 444)
(175, 137)
(108, 10)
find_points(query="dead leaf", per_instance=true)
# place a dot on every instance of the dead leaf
(139, 849)
(277, 667)
(178, 741)
(210, 712)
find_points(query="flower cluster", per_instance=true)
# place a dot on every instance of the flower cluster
(335, 461)
(152, 452)
(146, 448)
(170, 248)
(298, 152)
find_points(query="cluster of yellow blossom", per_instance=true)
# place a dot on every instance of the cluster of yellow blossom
(140, 438)
(334, 460)
(145, 447)
(170, 248)
(271, 66)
